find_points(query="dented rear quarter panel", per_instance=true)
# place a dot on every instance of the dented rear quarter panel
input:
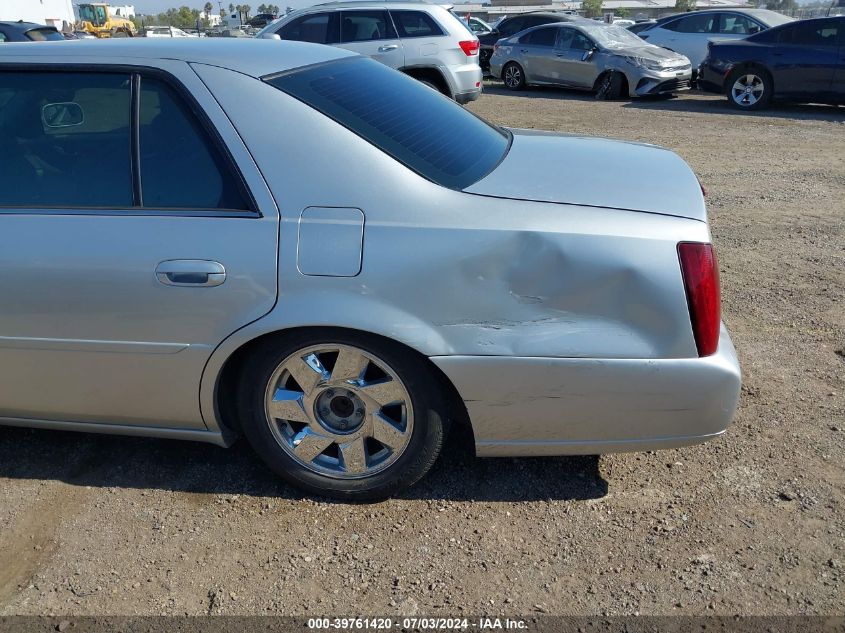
(453, 273)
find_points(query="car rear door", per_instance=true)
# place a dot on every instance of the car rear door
(537, 53)
(806, 58)
(687, 35)
(317, 28)
(136, 234)
(371, 32)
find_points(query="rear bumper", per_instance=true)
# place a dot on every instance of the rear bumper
(711, 79)
(465, 82)
(466, 97)
(567, 406)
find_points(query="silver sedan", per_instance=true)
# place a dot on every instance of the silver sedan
(606, 59)
(206, 239)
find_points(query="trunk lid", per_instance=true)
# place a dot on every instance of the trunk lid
(597, 172)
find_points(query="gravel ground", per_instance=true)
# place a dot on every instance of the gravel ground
(752, 523)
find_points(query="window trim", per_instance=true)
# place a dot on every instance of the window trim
(136, 73)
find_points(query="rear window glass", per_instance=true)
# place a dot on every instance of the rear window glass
(415, 24)
(414, 124)
(44, 35)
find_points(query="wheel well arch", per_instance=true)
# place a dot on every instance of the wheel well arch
(225, 390)
(429, 73)
(626, 85)
(745, 66)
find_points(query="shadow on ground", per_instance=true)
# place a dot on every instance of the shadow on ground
(694, 101)
(140, 463)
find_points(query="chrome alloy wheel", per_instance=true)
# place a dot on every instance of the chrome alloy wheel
(747, 90)
(339, 411)
(513, 76)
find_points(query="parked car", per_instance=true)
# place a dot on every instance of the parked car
(689, 33)
(165, 31)
(638, 27)
(28, 32)
(425, 41)
(340, 308)
(623, 23)
(609, 60)
(512, 25)
(261, 20)
(799, 61)
(476, 25)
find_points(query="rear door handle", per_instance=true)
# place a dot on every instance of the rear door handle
(190, 272)
(387, 47)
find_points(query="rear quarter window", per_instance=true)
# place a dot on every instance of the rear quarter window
(45, 35)
(415, 24)
(417, 126)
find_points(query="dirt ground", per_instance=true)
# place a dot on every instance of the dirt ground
(753, 523)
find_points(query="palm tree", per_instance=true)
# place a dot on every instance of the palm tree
(246, 9)
(231, 8)
(208, 8)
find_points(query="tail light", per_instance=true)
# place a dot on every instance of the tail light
(701, 281)
(469, 47)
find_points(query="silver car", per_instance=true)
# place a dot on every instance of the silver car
(423, 40)
(609, 60)
(343, 285)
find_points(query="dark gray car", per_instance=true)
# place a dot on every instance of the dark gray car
(590, 56)
(21, 31)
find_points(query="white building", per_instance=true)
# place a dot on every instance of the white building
(213, 18)
(126, 11)
(50, 12)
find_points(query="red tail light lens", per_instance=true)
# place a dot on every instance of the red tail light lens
(701, 281)
(469, 47)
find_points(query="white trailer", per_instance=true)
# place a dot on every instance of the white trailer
(50, 12)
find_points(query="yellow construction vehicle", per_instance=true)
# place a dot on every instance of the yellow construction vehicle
(94, 18)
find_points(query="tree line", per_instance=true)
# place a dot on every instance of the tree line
(187, 18)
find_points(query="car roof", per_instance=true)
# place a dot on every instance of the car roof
(357, 4)
(542, 14)
(249, 56)
(23, 27)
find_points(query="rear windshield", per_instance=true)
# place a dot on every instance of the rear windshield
(43, 35)
(414, 124)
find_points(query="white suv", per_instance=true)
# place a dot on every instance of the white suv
(423, 40)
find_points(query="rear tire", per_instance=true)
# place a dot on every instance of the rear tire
(513, 76)
(360, 429)
(749, 89)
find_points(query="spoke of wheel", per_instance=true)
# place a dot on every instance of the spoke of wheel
(383, 392)
(307, 444)
(354, 456)
(287, 405)
(386, 432)
(350, 365)
(307, 372)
